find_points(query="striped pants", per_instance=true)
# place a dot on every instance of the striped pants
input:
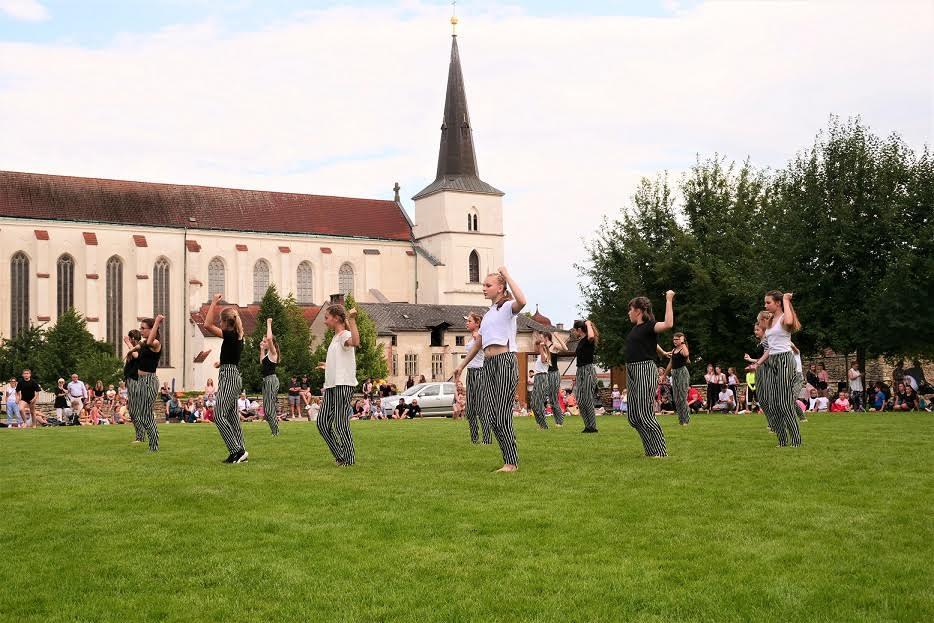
(476, 415)
(763, 384)
(554, 386)
(643, 383)
(142, 395)
(539, 395)
(334, 423)
(583, 391)
(500, 379)
(226, 418)
(797, 386)
(131, 409)
(680, 383)
(270, 396)
(780, 384)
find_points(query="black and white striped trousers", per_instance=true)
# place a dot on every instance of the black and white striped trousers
(642, 379)
(554, 386)
(476, 414)
(780, 390)
(680, 384)
(797, 386)
(763, 373)
(141, 395)
(226, 418)
(539, 395)
(334, 423)
(270, 406)
(583, 391)
(131, 409)
(500, 379)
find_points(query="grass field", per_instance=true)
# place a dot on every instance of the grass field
(729, 528)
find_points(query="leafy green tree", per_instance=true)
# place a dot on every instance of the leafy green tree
(21, 352)
(69, 342)
(371, 362)
(98, 365)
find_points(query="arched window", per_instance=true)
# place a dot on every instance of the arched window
(217, 277)
(470, 222)
(345, 279)
(260, 280)
(472, 219)
(160, 305)
(475, 222)
(65, 283)
(19, 293)
(304, 282)
(114, 297)
(473, 267)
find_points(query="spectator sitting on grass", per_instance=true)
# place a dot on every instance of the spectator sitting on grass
(841, 404)
(173, 408)
(399, 412)
(877, 398)
(111, 396)
(818, 403)
(121, 412)
(906, 399)
(98, 417)
(694, 400)
(243, 407)
(313, 407)
(725, 399)
(413, 410)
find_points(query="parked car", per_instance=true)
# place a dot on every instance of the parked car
(435, 399)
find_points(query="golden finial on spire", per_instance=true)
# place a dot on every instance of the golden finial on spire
(454, 19)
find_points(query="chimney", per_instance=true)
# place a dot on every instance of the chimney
(560, 326)
(337, 299)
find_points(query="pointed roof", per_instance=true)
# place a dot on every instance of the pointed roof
(457, 160)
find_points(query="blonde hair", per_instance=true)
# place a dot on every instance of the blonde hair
(475, 317)
(230, 319)
(507, 295)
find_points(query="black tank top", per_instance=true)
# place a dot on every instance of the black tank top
(678, 361)
(130, 368)
(231, 348)
(148, 359)
(553, 366)
(268, 367)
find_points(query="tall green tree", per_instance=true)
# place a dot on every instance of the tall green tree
(70, 348)
(371, 362)
(22, 352)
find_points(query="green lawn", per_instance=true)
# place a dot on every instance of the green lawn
(729, 528)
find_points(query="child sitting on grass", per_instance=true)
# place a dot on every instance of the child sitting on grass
(841, 404)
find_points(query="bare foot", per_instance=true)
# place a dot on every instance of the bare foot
(507, 468)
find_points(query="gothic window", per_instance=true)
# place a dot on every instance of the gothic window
(19, 293)
(217, 277)
(160, 305)
(114, 298)
(470, 222)
(65, 283)
(304, 283)
(473, 267)
(260, 280)
(345, 280)
(475, 222)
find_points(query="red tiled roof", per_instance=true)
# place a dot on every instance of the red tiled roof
(39, 196)
(90, 238)
(248, 316)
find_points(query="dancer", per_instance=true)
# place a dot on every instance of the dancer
(143, 392)
(798, 383)
(680, 377)
(497, 338)
(475, 411)
(229, 381)
(555, 346)
(762, 353)
(540, 383)
(778, 383)
(587, 339)
(268, 360)
(642, 373)
(131, 378)
(340, 379)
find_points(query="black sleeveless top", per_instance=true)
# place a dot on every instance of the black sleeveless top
(131, 368)
(584, 352)
(641, 342)
(148, 359)
(231, 348)
(267, 366)
(553, 366)
(678, 361)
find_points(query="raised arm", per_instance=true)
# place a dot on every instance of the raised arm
(790, 318)
(669, 313)
(209, 324)
(518, 297)
(151, 339)
(354, 340)
(591, 333)
(661, 352)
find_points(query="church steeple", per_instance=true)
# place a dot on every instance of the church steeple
(457, 160)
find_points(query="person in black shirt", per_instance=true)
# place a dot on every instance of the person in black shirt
(399, 411)
(295, 400)
(229, 381)
(268, 360)
(131, 377)
(680, 377)
(27, 393)
(413, 410)
(147, 385)
(642, 373)
(586, 380)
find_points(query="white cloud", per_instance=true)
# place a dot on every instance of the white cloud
(568, 113)
(26, 10)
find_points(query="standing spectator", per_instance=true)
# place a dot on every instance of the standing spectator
(295, 399)
(841, 404)
(77, 390)
(410, 382)
(14, 418)
(110, 397)
(122, 392)
(616, 395)
(822, 380)
(210, 394)
(713, 387)
(27, 391)
(61, 400)
(856, 387)
(305, 385)
(811, 378)
(732, 382)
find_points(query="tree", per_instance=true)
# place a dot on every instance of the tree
(371, 362)
(21, 352)
(67, 344)
(103, 366)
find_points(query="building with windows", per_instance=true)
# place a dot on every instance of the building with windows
(119, 251)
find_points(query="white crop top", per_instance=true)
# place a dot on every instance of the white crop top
(779, 338)
(340, 367)
(540, 367)
(498, 327)
(477, 361)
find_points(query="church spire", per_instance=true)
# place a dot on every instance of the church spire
(457, 160)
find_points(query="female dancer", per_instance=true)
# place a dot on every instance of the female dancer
(475, 410)
(781, 369)
(554, 378)
(761, 372)
(340, 379)
(642, 373)
(680, 377)
(713, 386)
(798, 384)
(143, 393)
(588, 337)
(497, 338)
(131, 377)
(268, 360)
(540, 383)
(229, 381)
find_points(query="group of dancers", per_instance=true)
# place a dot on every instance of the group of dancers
(492, 373)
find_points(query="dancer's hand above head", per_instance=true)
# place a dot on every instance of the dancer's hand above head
(352, 313)
(502, 271)
(670, 295)
(160, 317)
(217, 297)
(787, 296)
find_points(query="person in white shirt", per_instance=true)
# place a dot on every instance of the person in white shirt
(244, 407)
(540, 383)
(340, 379)
(13, 415)
(726, 401)
(818, 402)
(77, 390)
(856, 387)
